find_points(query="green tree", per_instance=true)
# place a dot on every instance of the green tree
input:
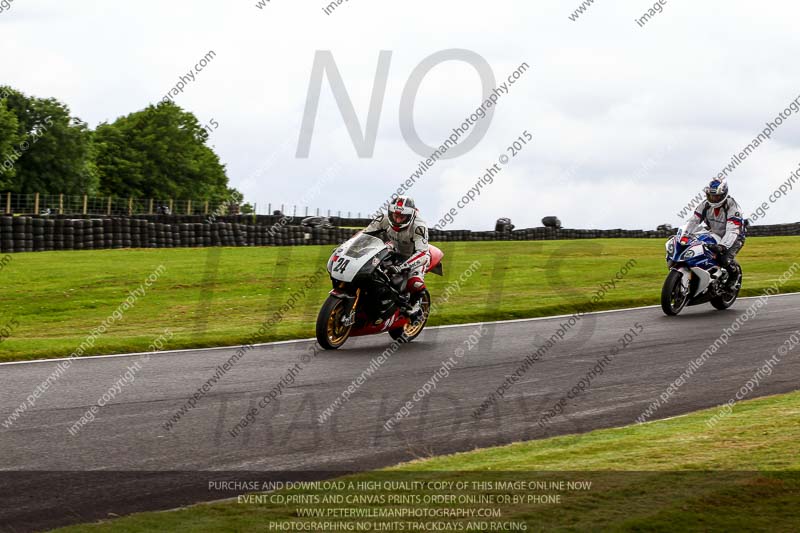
(53, 149)
(9, 140)
(159, 152)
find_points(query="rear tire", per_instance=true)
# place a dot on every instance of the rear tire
(726, 300)
(672, 303)
(331, 334)
(409, 332)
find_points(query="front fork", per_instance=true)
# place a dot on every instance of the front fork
(686, 277)
(350, 317)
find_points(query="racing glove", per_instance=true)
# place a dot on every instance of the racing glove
(395, 269)
(718, 249)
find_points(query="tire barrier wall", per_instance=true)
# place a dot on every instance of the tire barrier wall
(33, 234)
(30, 234)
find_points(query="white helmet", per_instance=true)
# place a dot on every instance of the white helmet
(716, 192)
(402, 212)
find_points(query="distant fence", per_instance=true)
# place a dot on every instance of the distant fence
(63, 204)
(28, 234)
(84, 205)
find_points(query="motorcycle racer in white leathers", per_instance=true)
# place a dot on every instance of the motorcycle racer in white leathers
(724, 218)
(409, 235)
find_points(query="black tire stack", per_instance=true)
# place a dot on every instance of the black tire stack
(24, 234)
(119, 233)
(6, 235)
(38, 234)
(68, 229)
(22, 229)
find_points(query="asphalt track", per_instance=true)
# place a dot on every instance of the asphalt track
(138, 465)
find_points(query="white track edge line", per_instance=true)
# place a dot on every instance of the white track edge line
(295, 341)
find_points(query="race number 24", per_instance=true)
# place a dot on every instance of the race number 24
(341, 265)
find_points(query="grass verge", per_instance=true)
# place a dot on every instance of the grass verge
(743, 474)
(219, 296)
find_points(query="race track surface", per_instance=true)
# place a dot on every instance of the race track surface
(149, 467)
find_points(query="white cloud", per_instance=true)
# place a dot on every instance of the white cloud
(603, 97)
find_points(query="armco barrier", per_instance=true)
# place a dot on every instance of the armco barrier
(29, 234)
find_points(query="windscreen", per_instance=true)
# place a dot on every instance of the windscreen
(362, 245)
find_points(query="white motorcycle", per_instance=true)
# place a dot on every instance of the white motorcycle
(366, 299)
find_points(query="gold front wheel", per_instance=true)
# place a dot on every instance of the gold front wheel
(331, 332)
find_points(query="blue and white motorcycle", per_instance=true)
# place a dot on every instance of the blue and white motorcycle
(695, 276)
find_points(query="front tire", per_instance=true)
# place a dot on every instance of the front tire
(672, 299)
(331, 333)
(410, 331)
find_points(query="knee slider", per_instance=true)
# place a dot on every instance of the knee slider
(415, 284)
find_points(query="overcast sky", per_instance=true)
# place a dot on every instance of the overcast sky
(603, 96)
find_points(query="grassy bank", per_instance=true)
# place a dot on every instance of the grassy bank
(671, 475)
(219, 296)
